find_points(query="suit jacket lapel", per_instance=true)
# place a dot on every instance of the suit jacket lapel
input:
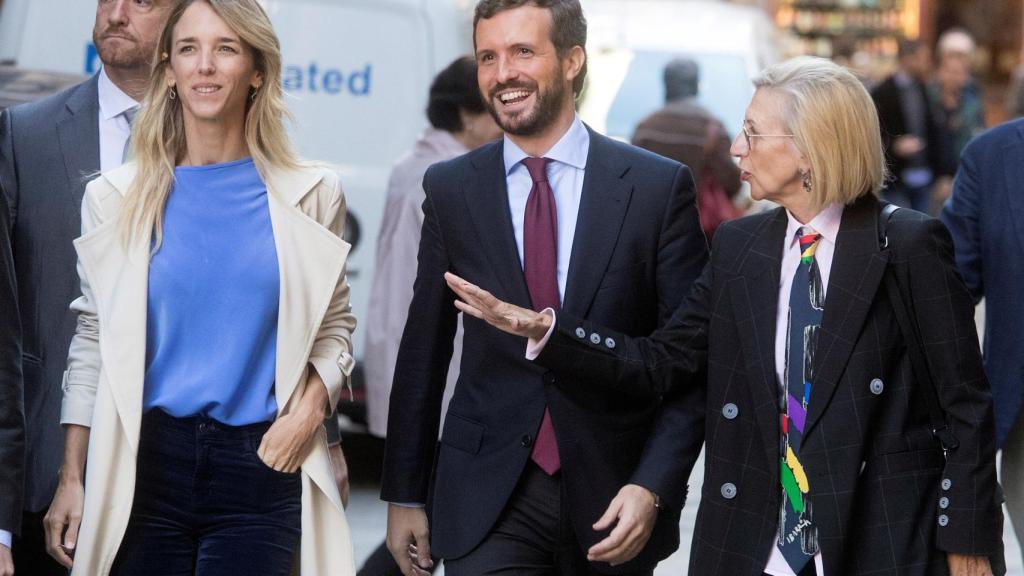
(857, 269)
(78, 133)
(602, 210)
(755, 294)
(486, 195)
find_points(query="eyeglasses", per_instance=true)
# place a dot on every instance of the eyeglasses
(747, 136)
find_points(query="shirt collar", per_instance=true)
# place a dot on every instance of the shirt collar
(113, 101)
(825, 223)
(572, 148)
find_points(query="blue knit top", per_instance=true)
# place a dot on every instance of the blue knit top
(211, 330)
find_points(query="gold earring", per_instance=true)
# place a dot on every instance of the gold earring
(172, 93)
(805, 177)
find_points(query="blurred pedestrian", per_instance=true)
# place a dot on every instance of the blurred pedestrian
(12, 406)
(960, 115)
(48, 149)
(685, 131)
(459, 122)
(214, 331)
(984, 214)
(910, 132)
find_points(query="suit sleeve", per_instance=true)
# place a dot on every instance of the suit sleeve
(12, 406)
(331, 354)
(944, 313)
(422, 367)
(962, 215)
(668, 366)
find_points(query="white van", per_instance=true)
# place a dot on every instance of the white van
(357, 72)
(630, 42)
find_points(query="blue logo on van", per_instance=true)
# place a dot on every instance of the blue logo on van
(310, 78)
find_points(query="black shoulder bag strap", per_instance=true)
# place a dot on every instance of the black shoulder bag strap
(914, 344)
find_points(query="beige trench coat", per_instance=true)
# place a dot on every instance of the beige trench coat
(106, 363)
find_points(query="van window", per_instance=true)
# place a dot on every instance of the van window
(635, 79)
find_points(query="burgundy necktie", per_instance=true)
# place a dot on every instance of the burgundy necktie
(540, 266)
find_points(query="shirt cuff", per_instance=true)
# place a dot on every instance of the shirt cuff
(408, 504)
(5, 538)
(535, 347)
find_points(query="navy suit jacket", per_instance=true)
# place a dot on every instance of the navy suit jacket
(986, 217)
(12, 413)
(638, 247)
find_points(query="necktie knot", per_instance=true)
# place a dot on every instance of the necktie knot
(130, 113)
(538, 168)
(808, 239)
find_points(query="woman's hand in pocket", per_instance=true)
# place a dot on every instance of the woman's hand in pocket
(288, 441)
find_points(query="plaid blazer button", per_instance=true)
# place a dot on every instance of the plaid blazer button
(943, 520)
(581, 333)
(947, 483)
(730, 411)
(943, 502)
(877, 386)
(595, 338)
(728, 490)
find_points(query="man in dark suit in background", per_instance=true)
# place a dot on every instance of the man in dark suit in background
(985, 214)
(12, 413)
(554, 215)
(48, 151)
(910, 133)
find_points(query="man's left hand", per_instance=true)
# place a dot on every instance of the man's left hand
(964, 565)
(340, 468)
(633, 512)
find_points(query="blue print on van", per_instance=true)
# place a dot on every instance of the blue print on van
(310, 78)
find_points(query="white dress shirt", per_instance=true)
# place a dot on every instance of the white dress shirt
(565, 175)
(114, 128)
(825, 223)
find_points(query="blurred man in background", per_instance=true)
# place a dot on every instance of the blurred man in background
(984, 215)
(48, 151)
(686, 132)
(910, 133)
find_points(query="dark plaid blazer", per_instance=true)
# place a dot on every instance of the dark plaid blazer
(885, 500)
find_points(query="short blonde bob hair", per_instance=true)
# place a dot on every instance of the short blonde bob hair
(834, 125)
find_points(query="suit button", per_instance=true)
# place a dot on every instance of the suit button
(728, 490)
(730, 411)
(877, 386)
(610, 343)
(550, 378)
(595, 338)
(527, 441)
(947, 483)
(581, 333)
(943, 502)
(943, 520)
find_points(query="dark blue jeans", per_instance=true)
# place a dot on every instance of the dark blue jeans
(206, 505)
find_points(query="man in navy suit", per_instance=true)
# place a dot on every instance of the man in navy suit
(554, 215)
(986, 216)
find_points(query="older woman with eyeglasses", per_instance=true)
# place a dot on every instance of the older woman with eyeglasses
(848, 420)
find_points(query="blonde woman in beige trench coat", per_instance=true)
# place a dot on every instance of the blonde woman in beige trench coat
(232, 49)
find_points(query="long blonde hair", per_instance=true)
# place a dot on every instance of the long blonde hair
(835, 126)
(158, 133)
